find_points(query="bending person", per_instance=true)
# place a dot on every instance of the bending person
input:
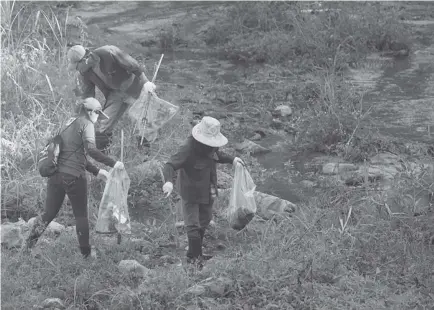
(117, 75)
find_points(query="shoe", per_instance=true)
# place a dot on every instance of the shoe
(206, 257)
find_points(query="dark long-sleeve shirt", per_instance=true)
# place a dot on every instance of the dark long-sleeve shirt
(109, 68)
(196, 171)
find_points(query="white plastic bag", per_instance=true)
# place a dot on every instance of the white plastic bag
(242, 205)
(113, 215)
(158, 114)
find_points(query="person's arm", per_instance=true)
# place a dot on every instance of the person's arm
(92, 168)
(176, 161)
(85, 87)
(224, 158)
(90, 146)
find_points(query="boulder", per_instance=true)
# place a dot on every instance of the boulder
(269, 205)
(132, 267)
(12, 234)
(53, 227)
(251, 147)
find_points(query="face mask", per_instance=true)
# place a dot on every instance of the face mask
(93, 116)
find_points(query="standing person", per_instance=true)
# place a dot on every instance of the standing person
(78, 139)
(117, 75)
(197, 181)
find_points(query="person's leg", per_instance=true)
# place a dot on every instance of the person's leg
(115, 106)
(191, 221)
(76, 189)
(53, 202)
(205, 217)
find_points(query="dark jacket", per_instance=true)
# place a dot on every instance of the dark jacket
(109, 68)
(197, 170)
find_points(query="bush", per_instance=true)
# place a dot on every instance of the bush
(275, 32)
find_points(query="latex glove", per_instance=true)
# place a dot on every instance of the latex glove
(102, 175)
(168, 188)
(238, 160)
(150, 87)
(119, 165)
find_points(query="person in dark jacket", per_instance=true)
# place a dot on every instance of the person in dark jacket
(197, 180)
(78, 139)
(116, 74)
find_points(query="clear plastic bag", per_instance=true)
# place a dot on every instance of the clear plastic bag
(242, 205)
(113, 215)
(158, 114)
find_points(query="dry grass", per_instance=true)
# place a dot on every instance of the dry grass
(345, 249)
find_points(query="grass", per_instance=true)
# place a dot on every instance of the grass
(344, 247)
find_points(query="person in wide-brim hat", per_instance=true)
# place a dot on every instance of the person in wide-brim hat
(196, 163)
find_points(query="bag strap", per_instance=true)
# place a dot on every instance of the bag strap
(61, 131)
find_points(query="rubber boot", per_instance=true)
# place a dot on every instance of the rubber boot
(194, 252)
(103, 141)
(36, 231)
(202, 235)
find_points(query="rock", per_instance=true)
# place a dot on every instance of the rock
(283, 110)
(268, 205)
(53, 227)
(133, 267)
(307, 183)
(52, 303)
(224, 180)
(255, 137)
(336, 168)
(12, 234)
(141, 245)
(248, 146)
(197, 290)
(277, 124)
(212, 287)
(220, 246)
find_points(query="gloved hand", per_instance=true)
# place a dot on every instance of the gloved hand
(150, 87)
(168, 188)
(238, 160)
(119, 165)
(102, 175)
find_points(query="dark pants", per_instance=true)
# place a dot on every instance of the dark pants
(58, 186)
(196, 220)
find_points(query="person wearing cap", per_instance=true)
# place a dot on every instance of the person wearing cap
(116, 74)
(197, 180)
(78, 139)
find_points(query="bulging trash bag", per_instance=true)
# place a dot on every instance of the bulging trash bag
(242, 205)
(158, 114)
(113, 216)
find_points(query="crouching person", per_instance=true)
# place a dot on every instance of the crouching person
(78, 139)
(197, 181)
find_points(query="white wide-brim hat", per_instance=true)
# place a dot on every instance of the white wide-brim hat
(208, 132)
